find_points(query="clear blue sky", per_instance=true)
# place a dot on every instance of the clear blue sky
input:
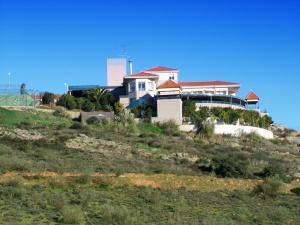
(254, 42)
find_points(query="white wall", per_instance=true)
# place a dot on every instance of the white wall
(164, 76)
(169, 109)
(233, 130)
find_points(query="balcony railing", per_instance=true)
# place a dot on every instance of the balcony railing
(215, 99)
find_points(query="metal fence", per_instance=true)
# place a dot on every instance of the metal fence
(10, 95)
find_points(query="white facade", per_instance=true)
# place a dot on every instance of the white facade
(140, 87)
(166, 75)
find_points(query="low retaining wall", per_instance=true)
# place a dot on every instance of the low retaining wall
(233, 130)
(98, 114)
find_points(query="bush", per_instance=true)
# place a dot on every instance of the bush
(170, 128)
(61, 112)
(232, 165)
(80, 102)
(118, 108)
(72, 215)
(48, 98)
(88, 106)
(274, 170)
(296, 191)
(269, 188)
(77, 126)
(207, 130)
(83, 179)
(67, 101)
(204, 165)
(117, 215)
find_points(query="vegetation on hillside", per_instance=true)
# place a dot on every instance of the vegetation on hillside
(33, 142)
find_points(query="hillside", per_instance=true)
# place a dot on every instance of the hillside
(56, 171)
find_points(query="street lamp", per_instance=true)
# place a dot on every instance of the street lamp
(66, 88)
(9, 80)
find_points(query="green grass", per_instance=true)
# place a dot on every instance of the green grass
(149, 150)
(149, 128)
(84, 204)
(30, 117)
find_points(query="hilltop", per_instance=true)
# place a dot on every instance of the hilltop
(54, 170)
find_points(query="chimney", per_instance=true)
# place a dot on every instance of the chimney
(130, 66)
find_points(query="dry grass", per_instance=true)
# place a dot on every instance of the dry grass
(160, 181)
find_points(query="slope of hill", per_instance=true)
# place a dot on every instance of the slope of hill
(57, 171)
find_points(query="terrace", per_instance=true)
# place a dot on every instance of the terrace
(215, 100)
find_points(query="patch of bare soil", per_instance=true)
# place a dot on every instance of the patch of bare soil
(20, 134)
(91, 144)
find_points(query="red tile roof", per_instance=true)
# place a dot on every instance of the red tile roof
(252, 96)
(208, 83)
(161, 69)
(169, 84)
(141, 74)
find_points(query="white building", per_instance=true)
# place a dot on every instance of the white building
(148, 84)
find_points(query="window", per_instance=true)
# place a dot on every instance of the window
(150, 85)
(171, 77)
(142, 86)
(132, 86)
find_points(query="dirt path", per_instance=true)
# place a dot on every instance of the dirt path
(163, 181)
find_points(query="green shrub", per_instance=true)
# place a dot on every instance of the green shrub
(207, 130)
(67, 101)
(274, 170)
(204, 165)
(269, 188)
(80, 102)
(72, 215)
(48, 98)
(118, 108)
(296, 191)
(253, 137)
(188, 108)
(77, 126)
(88, 106)
(170, 128)
(231, 165)
(83, 179)
(143, 111)
(117, 215)
(61, 112)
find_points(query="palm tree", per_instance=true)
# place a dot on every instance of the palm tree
(97, 95)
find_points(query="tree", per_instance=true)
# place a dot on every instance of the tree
(102, 99)
(23, 90)
(67, 101)
(48, 98)
(189, 107)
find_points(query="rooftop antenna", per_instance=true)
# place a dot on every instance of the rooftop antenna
(123, 51)
(124, 55)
